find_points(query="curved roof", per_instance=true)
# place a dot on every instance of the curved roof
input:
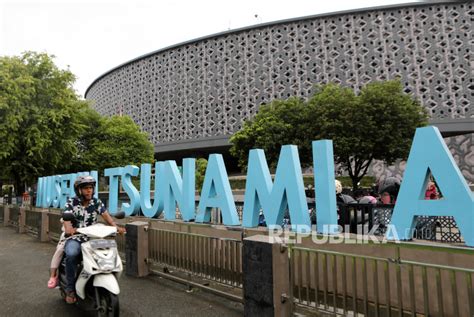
(262, 25)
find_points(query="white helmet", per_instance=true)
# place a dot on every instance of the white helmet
(82, 181)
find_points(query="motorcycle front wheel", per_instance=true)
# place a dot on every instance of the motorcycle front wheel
(108, 304)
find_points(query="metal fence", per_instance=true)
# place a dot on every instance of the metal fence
(210, 258)
(216, 215)
(2, 212)
(33, 221)
(14, 215)
(363, 218)
(120, 239)
(323, 279)
(55, 225)
(349, 284)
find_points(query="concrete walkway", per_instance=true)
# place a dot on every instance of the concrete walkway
(24, 271)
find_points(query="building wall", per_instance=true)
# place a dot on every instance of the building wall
(203, 90)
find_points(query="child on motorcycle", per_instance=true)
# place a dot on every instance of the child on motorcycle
(85, 210)
(56, 260)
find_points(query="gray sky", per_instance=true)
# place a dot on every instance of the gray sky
(93, 36)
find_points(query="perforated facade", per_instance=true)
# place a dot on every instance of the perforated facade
(196, 94)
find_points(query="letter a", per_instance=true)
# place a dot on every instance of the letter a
(430, 152)
(216, 193)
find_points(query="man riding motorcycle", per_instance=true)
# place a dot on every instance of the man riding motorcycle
(85, 209)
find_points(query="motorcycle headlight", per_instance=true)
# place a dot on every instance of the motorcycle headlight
(106, 264)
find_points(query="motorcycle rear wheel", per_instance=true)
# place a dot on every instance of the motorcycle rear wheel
(108, 304)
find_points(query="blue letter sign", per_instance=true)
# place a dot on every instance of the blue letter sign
(430, 152)
(177, 189)
(288, 190)
(113, 174)
(148, 209)
(324, 187)
(216, 193)
(133, 207)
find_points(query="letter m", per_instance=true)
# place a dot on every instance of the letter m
(274, 198)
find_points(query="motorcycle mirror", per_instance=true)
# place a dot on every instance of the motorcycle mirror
(119, 215)
(68, 216)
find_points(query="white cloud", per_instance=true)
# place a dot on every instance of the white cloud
(95, 36)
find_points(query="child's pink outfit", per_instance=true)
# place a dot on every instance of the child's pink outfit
(56, 260)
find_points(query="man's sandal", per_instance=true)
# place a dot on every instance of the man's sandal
(71, 298)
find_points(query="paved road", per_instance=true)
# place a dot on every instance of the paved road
(24, 269)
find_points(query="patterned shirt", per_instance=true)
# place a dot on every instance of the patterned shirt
(85, 216)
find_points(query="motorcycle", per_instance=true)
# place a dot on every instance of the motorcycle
(97, 287)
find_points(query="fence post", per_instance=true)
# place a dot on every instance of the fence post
(6, 215)
(22, 220)
(43, 235)
(266, 277)
(136, 248)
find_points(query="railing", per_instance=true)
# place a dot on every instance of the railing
(210, 258)
(55, 225)
(216, 215)
(441, 229)
(355, 216)
(343, 283)
(14, 215)
(33, 221)
(342, 280)
(363, 218)
(120, 239)
(374, 219)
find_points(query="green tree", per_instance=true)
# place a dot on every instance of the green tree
(93, 123)
(38, 126)
(377, 124)
(274, 125)
(112, 142)
(201, 165)
(45, 129)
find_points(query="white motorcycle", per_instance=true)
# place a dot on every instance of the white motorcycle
(97, 287)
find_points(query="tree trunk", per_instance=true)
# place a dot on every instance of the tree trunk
(355, 183)
(18, 187)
